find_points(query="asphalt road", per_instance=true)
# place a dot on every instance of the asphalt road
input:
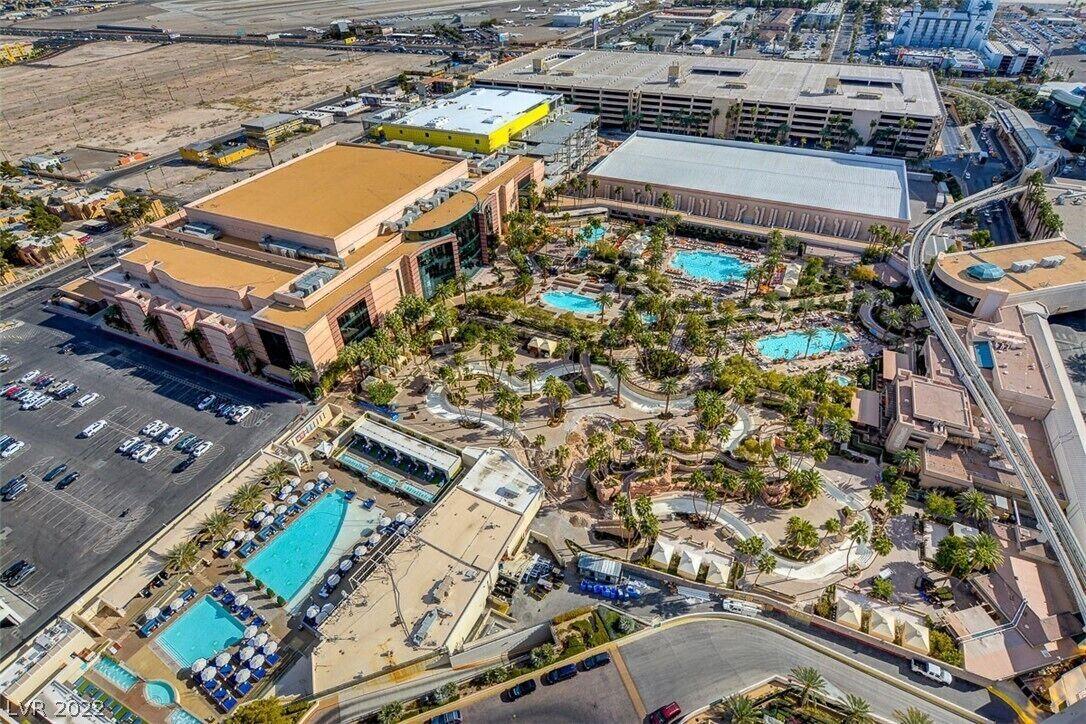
(701, 662)
(76, 535)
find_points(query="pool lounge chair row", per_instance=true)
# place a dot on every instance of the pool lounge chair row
(110, 706)
(149, 626)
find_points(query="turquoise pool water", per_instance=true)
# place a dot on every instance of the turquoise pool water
(793, 345)
(571, 302)
(159, 693)
(290, 560)
(711, 266)
(201, 632)
(592, 235)
(180, 716)
(983, 353)
(648, 317)
(116, 673)
(842, 380)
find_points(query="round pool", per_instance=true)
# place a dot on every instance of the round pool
(159, 693)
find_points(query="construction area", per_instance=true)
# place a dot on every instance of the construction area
(156, 98)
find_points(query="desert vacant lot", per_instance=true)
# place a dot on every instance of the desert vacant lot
(152, 98)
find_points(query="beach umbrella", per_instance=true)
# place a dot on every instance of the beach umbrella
(333, 579)
(239, 536)
(312, 612)
(292, 499)
(222, 659)
(176, 604)
(242, 676)
(249, 535)
(386, 521)
(271, 647)
(152, 613)
(359, 551)
(261, 638)
(199, 665)
(322, 475)
(250, 631)
(286, 489)
(246, 653)
(242, 599)
(309, 486)
(374, 539)
(257, 516)
(280, 509)
(411, 520)
(228, 546)
(268, 518)
(401, 517)
(345, 565)
(267, 508)
(256, 662)
(208, 674)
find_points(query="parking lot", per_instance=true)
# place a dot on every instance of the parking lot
(75, 535)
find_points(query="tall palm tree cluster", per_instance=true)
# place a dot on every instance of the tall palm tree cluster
(637, 518)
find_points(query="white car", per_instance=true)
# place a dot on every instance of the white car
(91, 429)
(171, 435)
(128, 444)
(201, 448)
(205, 403)
(150, 426)
(41, 402)
(932, 671)
(29, 376)
(135, 450)
(88, 399)
(149, 453)
(241, 413)
(30, 400)
(12, 449)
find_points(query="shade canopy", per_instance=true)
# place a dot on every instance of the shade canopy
(359, 551)
(261, 638)
(250, 631)
(312, 612)
(292, 499)
(256, 662)
(242, 599)
(267, 507)
(246, 653)
(271, 647)
(176, 604)
(208, 674)
(309, 486)
(346, 565)
(152, 613)
(239, 536)
(242, 676)
(199, 665)
(323, 475)
(222, 659)
(386, 521)
(374, 539)
(228, 546)
(401, 517)
(333, 579)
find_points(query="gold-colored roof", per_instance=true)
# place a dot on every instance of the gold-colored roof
(209, 268)
(454, 208)
(327, 192)
(506, 175)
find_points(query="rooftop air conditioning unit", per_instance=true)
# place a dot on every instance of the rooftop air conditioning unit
(1023, 265)
(1053, 261)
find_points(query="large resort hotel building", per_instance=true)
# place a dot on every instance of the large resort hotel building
(298, 261)
(751, 188)
(896, 111)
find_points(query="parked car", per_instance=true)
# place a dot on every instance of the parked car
(170, 436)
(449, 717)
(24, 573)
(21, 477)
(665, 714)
(146, 429)
(562, 673)
(12, 390)
(595, 661)
(41, 402)
(93, 428)
(67, 391)
(136, 450)
(932, 671)
(44, 380)
(25, 379)
(186, 442)
(240, 414)
(68, 480)
(88, 399)
(13, 569)
(205, 403)
(12, 448)
(520, 690)
(127, 444)
(149, 454)
(16, 490)
(201, 448)
(52, 474)
(226, 411)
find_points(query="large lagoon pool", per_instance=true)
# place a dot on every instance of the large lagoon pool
(793, 345)
(201, 632)
(712, 266)
(571, 302)
(291, 560)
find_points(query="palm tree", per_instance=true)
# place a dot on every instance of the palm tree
(217, 523)
(766, 563)
(530, 374)
(985, 552)
(243, 356)
(832, 526)
(621, 369)
(483, 387)
(838, 331)
(746, 337)
(183, 556)
(839, 430)
(152, 324)
(753, 481)
(810, 682)
(623, 510)
(669, 387)
(303, 373)
(605, 300)
(912, 715)
(741, 710)
(83, 252)
(194, 337)
(810, 334)
(974, 505)
(247, 498)
(908, 460)
(857, 533)
(276, 473)
(856, 710)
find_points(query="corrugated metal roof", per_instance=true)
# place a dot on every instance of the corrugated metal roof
(803, 177)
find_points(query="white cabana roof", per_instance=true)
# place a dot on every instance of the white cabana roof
(849, 613)
(689, 562)
(662, 551)
(438, 458)
(719, 568)
(543, 344)
(915, 636)
(882, 624)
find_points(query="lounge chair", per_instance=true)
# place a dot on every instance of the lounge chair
(220, 694)
(247, 550)
(349, 495)
(245, 613)
(368, 503)
(258, 621)
(259, 674)
(226, 670)
(272, 659)
(228, 703)
(280, 520)
(293, 510)
(92, 690)
(218, 590)
(265, 533)
(189, 594)
(229, 598)
(243, 688)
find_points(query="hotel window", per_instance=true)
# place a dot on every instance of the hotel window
(436, 266)
(355, 322)
(276, 346)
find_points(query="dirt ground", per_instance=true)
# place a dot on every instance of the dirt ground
(150, 98)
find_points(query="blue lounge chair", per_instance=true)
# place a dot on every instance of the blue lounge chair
(148, 628)
(280, 520)
(243, 688)
(189, 594)
(368, 503)
(349, 495)
(258, 621)
(229, 598)
(247, 549)
(228, 703)
(272, 659)
(226, 670)
(245, 613)
(209, 686)
(265, 533)
(293, 510)
(220, 694)
(218, 590)
(259, 674)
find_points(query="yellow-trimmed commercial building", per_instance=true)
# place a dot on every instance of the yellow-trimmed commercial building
(219, 155)
(475, 119)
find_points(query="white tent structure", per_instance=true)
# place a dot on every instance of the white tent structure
(719, 568)
(662, 551)
(882, 624)
(849, 613)
(689, 562)
(915, 636)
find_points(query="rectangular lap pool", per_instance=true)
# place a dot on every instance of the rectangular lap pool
(201, 632)
(115, 673)
(983, 353)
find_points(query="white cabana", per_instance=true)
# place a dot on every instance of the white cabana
(359, 551)
(374, 539)
(401, 517)
(250, 631)
(199, 665)
(662, 551)
(271, 647)
(345, 565)
(295, 481)
(333, 580)
(312, 612)
(689, 562)
(249, 535)
(719, 568)
(308, 486)
(261, 638)
(268, 518)
(242, 599)
(386, 521)
(257, 516)
(176, 604)
(246, 653)
(208, 674)
(411, 520)
(323, 475)
(915, 636)
(849, 613)
(222, 659)
(256, 662)
(152, 613)
(239, 536)
(242, 676)
(882, 624)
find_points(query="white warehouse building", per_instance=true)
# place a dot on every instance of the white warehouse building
(578, 16)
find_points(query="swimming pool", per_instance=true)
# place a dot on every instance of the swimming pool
(181, 716)
(792, 345)
(159, 693)
(592, 235)
(983, 353)
(115, 673)
(710, 266)
(201, 632)
(288, 562)
(571, 302)
(647, 317)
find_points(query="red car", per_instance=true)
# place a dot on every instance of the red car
(665, 714)
(11, 391)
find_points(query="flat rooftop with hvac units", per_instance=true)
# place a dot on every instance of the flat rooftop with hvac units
(896, 111)
(822, 192)
(289, 266)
